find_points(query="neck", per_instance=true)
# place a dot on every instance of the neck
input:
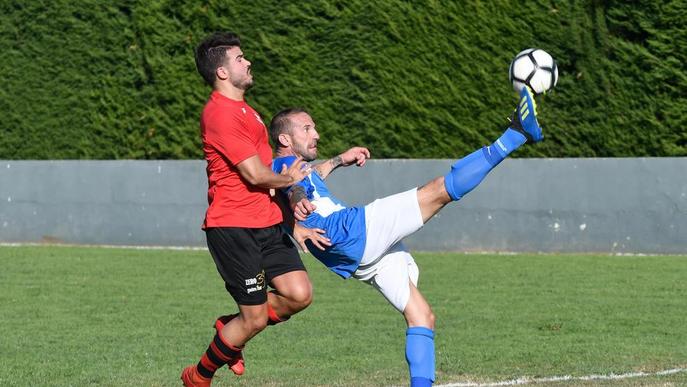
(229, 91)
(282, 152)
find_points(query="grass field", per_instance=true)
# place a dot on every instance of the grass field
(122, 317)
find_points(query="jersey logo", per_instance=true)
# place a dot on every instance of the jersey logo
(243, 110)
(257, 117)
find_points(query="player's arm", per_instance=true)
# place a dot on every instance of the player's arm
(356, 155)
(300, 234)
(314, 235)
(299, 203)
(258, 174)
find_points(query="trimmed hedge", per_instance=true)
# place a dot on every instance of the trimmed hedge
(114, 80)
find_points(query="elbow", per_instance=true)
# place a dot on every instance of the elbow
(250, 177)
(252, 180)
(258, 180)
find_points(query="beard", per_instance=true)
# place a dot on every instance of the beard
(243, 84)
(306, 153)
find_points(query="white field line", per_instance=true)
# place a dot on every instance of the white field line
(132, 247)
(526, 380)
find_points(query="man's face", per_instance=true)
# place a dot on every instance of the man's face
(303, 136)
(238, 69)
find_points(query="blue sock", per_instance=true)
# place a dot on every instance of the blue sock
(420, 356)
(469, 171)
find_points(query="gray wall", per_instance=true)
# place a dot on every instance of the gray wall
(586, 205)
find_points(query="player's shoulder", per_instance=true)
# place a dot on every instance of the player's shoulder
(221, 120)
(278, 162)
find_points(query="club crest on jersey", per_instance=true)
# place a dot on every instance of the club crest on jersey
(257, 117)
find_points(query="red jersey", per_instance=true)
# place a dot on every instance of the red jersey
(232, 132)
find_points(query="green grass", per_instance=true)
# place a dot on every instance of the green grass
(114, 317)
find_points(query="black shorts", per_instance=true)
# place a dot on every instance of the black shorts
(249, 258)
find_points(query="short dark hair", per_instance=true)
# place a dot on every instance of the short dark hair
(282, 124)
(211, 53)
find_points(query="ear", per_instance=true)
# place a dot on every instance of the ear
(222, 73)
(284, 140)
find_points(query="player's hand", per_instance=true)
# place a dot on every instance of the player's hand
(302, 209)
(298, 170)
(315, 235)
(357, 155)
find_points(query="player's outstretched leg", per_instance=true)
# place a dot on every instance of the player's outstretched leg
(524, 118)
(469, 171)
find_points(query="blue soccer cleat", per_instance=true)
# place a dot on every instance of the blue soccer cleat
(524, 118)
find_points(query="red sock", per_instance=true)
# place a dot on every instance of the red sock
(272, 316)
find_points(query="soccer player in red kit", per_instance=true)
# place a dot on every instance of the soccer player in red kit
(242, 223)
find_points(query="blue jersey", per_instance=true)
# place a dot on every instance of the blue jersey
(344, 226)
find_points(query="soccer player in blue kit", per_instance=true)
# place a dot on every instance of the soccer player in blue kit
(366, 242)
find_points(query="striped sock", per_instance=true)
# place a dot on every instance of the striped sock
(218, 354)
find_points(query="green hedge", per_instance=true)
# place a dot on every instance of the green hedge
(111, 80)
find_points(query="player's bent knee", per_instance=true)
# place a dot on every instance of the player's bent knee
(419, 314)
(430, 320)
(301, 299)
(255, 324)
(422, 320)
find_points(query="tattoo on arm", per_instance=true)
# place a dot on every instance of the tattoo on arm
(336, 161)
(296, 193)
(325, 168)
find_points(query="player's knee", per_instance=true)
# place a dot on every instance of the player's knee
(301, 297)
(255, 324)
(425, 320)
(430, 319)
(421, 318)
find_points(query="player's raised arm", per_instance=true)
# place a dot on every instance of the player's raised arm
(356, 155)
(257, 174)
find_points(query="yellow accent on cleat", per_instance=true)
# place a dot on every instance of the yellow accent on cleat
(534, 102)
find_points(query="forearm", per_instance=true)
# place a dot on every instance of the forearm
(296, 194)
(258, 174)
(326, 167)
(269, 179)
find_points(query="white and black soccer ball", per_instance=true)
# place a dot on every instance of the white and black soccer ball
(535, 68)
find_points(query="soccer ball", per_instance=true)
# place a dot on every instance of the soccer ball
(535, 68)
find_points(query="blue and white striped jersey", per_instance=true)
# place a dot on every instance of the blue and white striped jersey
(344, 226)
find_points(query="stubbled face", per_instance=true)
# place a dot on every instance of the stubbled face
(238, 69)
(303, 136)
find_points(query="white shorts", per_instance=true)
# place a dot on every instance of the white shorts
(386, 264)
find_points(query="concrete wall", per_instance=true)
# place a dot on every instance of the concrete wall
(586, 205)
